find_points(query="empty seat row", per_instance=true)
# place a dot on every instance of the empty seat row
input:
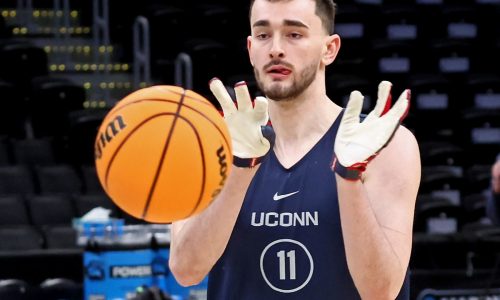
(30, 238)
(453, 59)
(43, 102)
(30, 152)
(48, 179)
(50, 210)
(61, 138)
(430, 91)
(441, 212)
(412, 21)
(473, 179)
(51, 150)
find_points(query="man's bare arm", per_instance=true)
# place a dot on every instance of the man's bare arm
(198, 242)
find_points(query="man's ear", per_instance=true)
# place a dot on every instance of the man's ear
(249, 49)
(332, 47)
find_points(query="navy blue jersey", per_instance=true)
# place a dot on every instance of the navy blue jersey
(287, 241)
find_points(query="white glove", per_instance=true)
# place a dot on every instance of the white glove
(244, 123)
(358, 143)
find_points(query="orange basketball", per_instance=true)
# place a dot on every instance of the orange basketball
(163, 153)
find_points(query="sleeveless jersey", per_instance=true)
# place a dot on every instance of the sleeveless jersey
(287, 241)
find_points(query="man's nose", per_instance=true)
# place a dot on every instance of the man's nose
(276, 50)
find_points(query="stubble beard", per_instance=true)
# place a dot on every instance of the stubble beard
(279, 92)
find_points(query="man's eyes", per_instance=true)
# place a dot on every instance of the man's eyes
(295, 35)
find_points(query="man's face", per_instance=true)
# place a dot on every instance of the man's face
(285, 47)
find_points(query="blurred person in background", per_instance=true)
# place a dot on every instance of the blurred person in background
(493, 203)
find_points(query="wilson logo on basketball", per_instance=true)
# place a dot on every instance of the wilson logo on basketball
(221, 154)
(110, 131)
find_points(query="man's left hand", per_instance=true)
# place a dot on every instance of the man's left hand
(359, 142)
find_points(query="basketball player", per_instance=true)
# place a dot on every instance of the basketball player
(316, 215)
(493, 201)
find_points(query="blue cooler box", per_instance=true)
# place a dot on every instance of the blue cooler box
(119, 259)
(113, 275)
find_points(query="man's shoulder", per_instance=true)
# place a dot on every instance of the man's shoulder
(400, 155)
(403, 143)
(406, 134)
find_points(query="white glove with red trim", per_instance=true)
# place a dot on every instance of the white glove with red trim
(359, 142)
(250, 136)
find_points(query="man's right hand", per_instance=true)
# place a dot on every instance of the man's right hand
(244, 122)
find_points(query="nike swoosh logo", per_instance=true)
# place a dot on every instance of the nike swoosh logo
(277, 197)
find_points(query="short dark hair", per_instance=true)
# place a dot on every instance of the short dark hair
(325, 10)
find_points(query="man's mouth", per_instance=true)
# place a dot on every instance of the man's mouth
(279, 70)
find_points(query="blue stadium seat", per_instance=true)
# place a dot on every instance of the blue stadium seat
(482, 91)
(351, 22)
(399, 22)
(392, 60)
(437, 215)
(481, 134)
(452, 57)
(462, 21)
(354, 28)
(434, 98)
(443, 181)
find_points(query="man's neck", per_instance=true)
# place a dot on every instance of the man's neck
(301, 117)
(300, 123)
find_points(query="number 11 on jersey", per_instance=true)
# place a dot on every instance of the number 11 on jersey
(291, 262)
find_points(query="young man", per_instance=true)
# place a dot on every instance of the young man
(300, 218)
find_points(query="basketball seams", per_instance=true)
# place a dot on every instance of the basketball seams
(151, 118)
(203, 162)
(125, 139)
(184, 105)
(162, 158)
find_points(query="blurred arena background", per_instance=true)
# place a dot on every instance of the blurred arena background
(64, 63)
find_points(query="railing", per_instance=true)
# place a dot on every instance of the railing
(142, 59)
(100, 31)
(184, 71)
